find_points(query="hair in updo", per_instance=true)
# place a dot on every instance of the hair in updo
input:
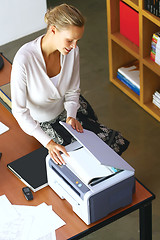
(63, 16)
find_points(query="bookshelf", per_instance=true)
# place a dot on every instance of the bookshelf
(122, 51)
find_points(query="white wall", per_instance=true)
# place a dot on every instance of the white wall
(19, 18)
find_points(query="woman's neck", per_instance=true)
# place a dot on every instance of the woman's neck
(46, 46)
(51, 56)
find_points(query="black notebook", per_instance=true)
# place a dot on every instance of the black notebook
(31, 169)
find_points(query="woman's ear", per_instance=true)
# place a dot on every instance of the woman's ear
(53, 29)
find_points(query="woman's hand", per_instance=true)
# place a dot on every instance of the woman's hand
(75, 124)
(55, 151)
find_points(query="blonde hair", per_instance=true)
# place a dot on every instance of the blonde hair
(63, 16)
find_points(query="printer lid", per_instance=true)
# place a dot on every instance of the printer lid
(97, 147)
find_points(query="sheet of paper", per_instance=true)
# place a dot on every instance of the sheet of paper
(19, 222)
(85, 165)
(6, 209)
(12, 226)
(41, 227)
(3, 128)
(44, 218)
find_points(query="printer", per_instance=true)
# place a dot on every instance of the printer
(93, 190)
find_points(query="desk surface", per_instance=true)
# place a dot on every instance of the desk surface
(15, 144)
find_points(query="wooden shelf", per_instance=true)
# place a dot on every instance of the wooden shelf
(133, 3)
(153, 110)
(152, 65)
(126, 44)
(126, 90)
(122, 51)
(151, 17)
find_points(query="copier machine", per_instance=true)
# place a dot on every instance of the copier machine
(103, 195)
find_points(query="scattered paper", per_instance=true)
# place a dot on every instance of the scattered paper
(3, 128)
(18, 222)
(12, 226)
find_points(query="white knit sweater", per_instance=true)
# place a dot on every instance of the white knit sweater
(35, 98)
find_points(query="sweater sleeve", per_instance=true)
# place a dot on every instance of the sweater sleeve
(19, 108)
(71, 103)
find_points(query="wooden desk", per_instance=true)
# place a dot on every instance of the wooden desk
(15, 144)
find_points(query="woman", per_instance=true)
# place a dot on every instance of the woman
(45, 84)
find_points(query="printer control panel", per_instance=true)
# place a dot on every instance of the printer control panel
(70, 178)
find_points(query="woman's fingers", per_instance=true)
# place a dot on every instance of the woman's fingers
(56, 158)
(75, 124)
(78, 126)
(55, 151)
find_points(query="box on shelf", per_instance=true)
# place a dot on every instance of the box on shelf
(129, 23)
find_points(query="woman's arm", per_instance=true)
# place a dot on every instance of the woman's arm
(19, 108)
(23, 117)
(71, 103)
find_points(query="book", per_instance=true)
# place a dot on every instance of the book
(129, 22)
(157, 93)
(5, 94)
(157, 7)
(156, 103)
(146, 4)
(128, 83)
(154, 46)
(153, 55)
(153, 6)
(86, 167)
(130, 75)
(156, 98)
(31, 169)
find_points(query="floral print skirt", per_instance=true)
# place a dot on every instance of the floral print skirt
(86, 116)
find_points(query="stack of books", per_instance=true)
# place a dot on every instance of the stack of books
(155, 48)
(156, 98)
(129, 75)
(153, 6)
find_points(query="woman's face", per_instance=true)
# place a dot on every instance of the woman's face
(67, 39)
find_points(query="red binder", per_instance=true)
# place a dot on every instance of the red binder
(129, 23)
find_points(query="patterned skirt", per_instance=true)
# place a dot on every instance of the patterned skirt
(86, 116)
